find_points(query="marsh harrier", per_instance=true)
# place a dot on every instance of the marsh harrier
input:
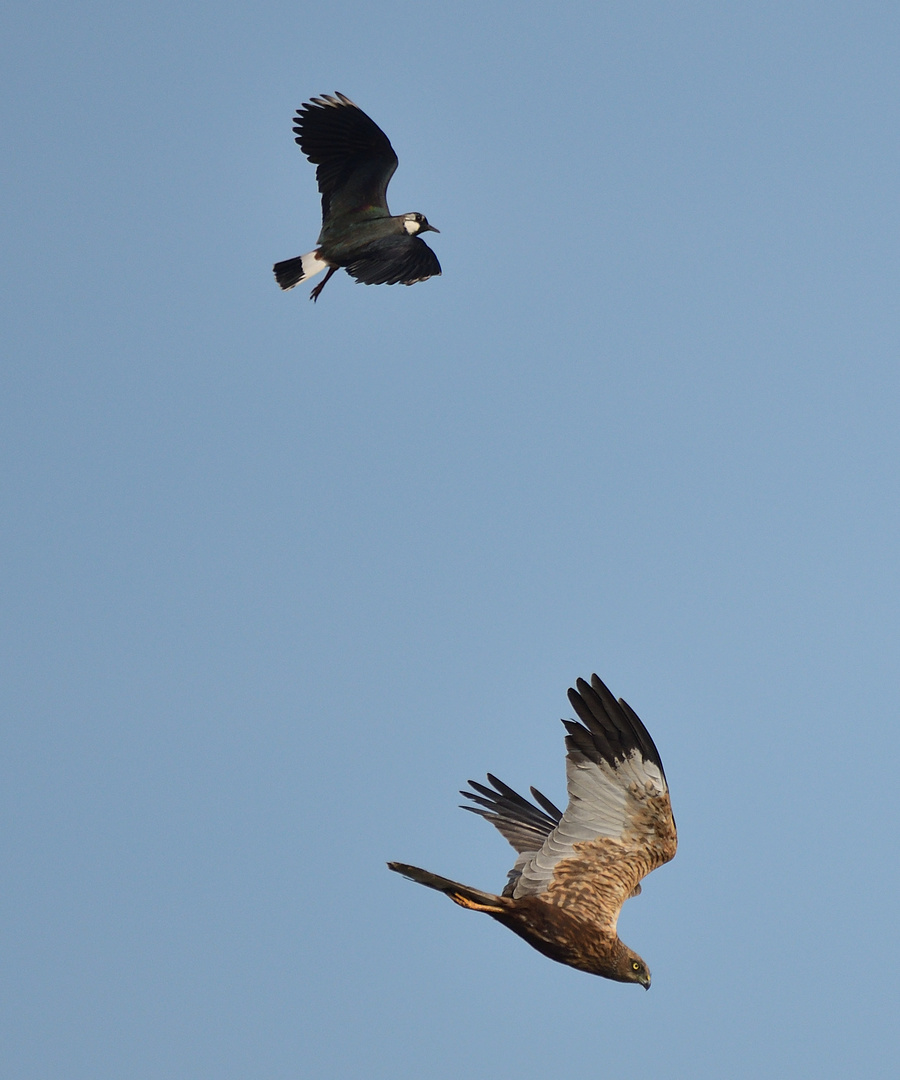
(576, 869)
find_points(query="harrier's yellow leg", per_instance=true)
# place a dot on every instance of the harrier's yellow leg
(464, 901)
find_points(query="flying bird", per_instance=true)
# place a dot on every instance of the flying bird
(354, 164)
(576, 869)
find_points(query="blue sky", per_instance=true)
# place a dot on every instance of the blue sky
(279, 578)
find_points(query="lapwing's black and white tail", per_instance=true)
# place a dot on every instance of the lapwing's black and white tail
(292, 271)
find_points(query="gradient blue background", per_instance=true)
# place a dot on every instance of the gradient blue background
(279, 578)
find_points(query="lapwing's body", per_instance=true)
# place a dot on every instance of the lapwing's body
(355, 162)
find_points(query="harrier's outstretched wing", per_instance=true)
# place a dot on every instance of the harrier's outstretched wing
(618, 825)
(524, 825)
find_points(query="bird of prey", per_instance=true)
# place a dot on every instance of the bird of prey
(354, 164)
(576, 869)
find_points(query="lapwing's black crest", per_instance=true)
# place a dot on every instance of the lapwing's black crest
(354, 164)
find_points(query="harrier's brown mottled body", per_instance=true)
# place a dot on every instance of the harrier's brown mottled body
(576, 870)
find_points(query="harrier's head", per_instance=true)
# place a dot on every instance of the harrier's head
(631, 968)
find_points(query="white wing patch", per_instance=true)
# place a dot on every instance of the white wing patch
(603, 802)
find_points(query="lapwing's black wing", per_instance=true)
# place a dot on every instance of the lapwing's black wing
(395, 260)
(354, 156)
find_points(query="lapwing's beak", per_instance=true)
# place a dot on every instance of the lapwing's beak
(430, 228)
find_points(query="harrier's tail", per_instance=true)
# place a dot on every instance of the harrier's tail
(292, 271)
(463, 895)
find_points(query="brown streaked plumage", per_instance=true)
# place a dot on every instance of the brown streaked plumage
(576, 869)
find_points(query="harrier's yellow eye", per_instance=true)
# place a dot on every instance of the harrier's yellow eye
(635, 965)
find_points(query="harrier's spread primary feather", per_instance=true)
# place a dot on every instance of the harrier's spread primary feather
(575, 869)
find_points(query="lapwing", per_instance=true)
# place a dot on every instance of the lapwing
(355, 162)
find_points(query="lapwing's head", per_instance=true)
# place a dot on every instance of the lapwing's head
(416, 223)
